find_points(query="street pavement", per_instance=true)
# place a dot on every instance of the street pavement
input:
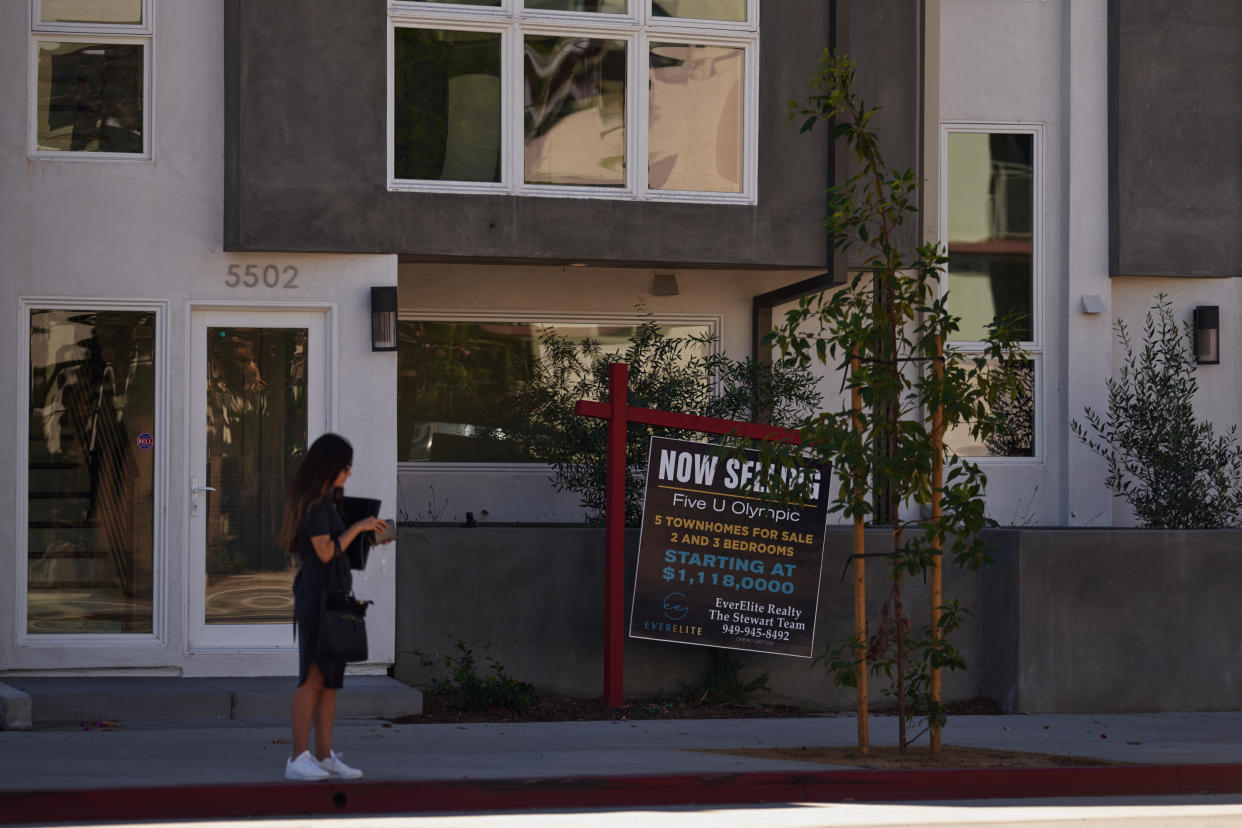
(83, 771)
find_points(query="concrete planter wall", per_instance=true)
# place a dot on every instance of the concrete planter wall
(1115, 620)
(1066, 620)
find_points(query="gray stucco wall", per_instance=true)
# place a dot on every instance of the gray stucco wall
(1065, 620)
(1120, 621)
(536, 597)
(886, 41)
(1176, 130)
(305, 157)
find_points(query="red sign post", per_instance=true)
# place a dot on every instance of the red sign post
(619, 415)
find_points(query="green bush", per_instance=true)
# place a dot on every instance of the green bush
(480, 692)
(1172, 470)
(679, 374)
(722, 684)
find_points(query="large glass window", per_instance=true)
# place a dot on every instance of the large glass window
(601, 6)
(91, 77)
(990, 222)
(566, 97)
(454, 377)
(447, 112)
(991, 230)
(90, 473)
(575, 111)
(1018, 411)
(127, 12)
(700, 9)
(256, 435)
(696, 132)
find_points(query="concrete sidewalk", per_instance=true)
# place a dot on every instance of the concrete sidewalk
(167, 769)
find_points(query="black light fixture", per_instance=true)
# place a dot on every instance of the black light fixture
(384, 318)
(1207, 334)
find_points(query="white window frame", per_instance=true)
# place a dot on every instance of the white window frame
(1034, 346)
(163, 442)
(713, 322)
(637, 28)
(108, 33)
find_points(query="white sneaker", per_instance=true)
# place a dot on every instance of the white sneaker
(336, 767)
(305, 768)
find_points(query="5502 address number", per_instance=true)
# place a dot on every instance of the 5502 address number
(267, 275)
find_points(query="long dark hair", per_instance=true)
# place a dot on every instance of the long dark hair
(327, 457)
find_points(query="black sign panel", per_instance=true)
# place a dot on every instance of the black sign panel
(722, 564)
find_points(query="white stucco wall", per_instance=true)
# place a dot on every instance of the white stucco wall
(89, 229)
(1043, 65)
(1044, 62)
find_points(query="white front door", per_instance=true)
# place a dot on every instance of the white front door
(258, 397)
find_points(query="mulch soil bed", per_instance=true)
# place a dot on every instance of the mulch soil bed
(444, 707)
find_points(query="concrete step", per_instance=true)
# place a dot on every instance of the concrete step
(58, 700)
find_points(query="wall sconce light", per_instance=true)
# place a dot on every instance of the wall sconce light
(384, 318)
(1207, 334)
(665, 284)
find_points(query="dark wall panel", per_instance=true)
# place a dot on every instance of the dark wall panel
(1176, 134)
(886, 41)
(305, 161)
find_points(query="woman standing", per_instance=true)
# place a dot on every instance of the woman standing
(315, 532)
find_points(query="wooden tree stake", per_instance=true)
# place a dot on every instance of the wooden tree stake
(860, 591)
(937, 598)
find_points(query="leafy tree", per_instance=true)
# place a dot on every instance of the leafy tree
(679, 374)
(1173, 470)
(886, 330)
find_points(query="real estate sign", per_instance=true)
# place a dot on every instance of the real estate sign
(721, 563)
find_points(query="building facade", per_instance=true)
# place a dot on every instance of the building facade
(198, 199)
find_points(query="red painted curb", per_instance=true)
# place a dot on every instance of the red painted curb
(356, 798)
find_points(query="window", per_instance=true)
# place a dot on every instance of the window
(991, 228)
(91, 471)
(90, 74)
(453, 376)
(647, 99)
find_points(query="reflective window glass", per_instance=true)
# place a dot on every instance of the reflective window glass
(256, 435)
(602, 6)
(1018, 411)
(466, 2)
(91, 472)
(700, 9)
(454, 377)
(575, 111)
(696, 118)
(446, 111)
(91, 11)
(990, 225)
(90, 97)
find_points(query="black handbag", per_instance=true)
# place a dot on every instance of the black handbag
(342, 622)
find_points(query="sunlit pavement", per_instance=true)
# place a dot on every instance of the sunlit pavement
(226, 770)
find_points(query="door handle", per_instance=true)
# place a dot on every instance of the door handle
(194, 490)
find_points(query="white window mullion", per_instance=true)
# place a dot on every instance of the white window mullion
(390, 98)
(750, 123)
(512, 135)
(641, 86)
